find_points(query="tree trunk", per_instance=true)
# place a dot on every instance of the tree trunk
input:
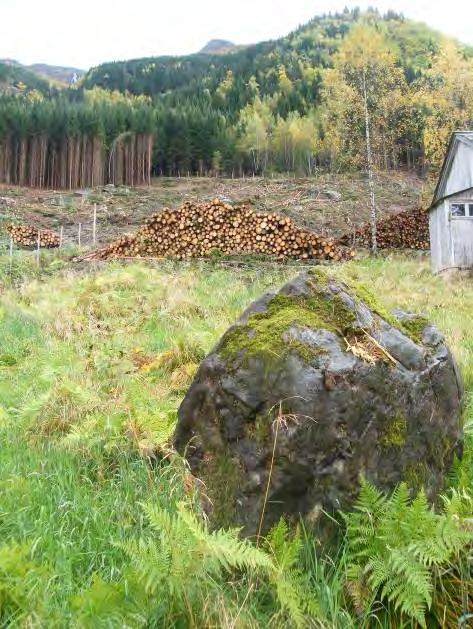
(369, 163)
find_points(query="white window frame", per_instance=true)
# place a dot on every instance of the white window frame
(468, 203)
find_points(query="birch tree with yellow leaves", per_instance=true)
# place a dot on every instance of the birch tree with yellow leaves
(365, 95)
(444, 96)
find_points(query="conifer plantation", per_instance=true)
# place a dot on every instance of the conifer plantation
(62, 144)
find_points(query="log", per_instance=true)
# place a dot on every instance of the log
(27, 236)
(197, 230)
(406, 230)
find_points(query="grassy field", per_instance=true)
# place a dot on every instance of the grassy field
(93, 365)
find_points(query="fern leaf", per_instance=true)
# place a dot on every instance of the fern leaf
(397, 545)
(370, 499)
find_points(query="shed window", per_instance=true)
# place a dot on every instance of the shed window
(461, 209)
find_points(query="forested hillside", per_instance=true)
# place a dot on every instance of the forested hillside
(43, 71)
(298, 58)
(297, 104)
(292, 104)
(18, 78)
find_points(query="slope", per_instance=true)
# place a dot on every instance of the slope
(46, 72)
(295, 62)
(217, 47)
(61, 74)
(14, 77)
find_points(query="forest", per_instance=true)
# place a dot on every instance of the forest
(60, 143)
(18, 78)
(292, 105)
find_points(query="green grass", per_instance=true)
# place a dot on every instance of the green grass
(93, 366)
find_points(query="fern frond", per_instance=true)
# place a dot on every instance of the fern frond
(225, 546)
(152, 562)
(398, 545)
(159, 519)
(276, 538)
(370, 499)
(416, 576)
(378, 572)
(286, 551)
(291, 596)
(408, 602)
(235, 553)
(106, 604)
(291, 588)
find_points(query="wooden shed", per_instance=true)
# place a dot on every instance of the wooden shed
(451, 212)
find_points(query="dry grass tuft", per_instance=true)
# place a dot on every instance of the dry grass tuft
(368, 349)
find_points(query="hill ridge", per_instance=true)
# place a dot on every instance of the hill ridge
(59, 73)
(217, 46)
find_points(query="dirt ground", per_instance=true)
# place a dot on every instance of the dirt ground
(330, 205)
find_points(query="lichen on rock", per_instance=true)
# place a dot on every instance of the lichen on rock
(354, 391)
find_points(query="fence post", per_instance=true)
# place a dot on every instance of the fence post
(37, 248)
(94, 228)
(61, 236)
(79, 234)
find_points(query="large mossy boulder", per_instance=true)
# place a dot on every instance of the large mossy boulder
(312, 389)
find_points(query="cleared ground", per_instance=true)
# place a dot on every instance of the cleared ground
(330, 205)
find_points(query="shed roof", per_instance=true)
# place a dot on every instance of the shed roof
(462, 178)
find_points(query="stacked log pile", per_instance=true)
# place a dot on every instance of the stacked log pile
(27, 236)
(407, 230)
(200, 229)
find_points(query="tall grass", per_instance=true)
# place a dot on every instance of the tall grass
(93, 366)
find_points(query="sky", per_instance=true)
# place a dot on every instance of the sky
(85, 33)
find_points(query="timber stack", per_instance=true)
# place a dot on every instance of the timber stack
(27, 236)
(201, 229)
(406, 230)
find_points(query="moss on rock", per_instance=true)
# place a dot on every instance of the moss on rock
(260, 429)
(416, 476)
(223, 478)
(442, 451)
(412, 328)
(396, 433)
(265, 335)
(361, 292)
(394, 423)
(415, 327)
(305, 351)
(320, 275)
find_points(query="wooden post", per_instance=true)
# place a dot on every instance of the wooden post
(61, 236)
(94, 228)
(11, 253)
(80, 230)
(37, 248)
